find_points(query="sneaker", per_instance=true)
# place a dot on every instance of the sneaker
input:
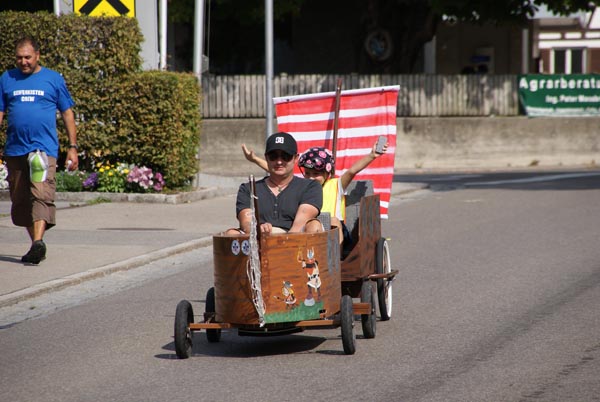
(36, 253)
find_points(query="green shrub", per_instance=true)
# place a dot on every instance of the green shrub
(123, 114)
(69, 181)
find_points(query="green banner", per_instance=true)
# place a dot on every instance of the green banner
(560, 94)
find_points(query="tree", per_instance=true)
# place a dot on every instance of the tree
(27, 5)
(412, 23)
(395, 30)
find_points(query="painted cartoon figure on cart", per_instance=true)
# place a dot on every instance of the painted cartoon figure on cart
(288, 296)
(311, 267)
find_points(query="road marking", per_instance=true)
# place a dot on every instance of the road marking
(456, 177)
(534, 179)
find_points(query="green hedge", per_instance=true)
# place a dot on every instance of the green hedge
(123, 114)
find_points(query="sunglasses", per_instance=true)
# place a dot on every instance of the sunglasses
(274, 155)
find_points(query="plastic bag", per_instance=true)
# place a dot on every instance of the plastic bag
(38, 166)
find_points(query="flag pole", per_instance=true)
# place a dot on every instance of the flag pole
(336, 118)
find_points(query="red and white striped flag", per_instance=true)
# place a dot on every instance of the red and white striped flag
(365, 114)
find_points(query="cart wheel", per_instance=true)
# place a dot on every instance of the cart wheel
(384, 286)
(184, 315)
(368, 320)
(212, 335)
(347, 322)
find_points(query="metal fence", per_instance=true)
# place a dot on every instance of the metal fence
(421, 95)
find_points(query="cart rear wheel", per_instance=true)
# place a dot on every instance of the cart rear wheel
(384, 286)
(212, 335)
(347, 323)
(368, 320)
(184, 316)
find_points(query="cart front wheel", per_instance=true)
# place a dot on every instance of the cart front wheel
(368, 321)
(212, 335)
(184, 316)
(347, 323)
(384, 286)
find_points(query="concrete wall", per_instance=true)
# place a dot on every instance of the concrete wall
(433, 143)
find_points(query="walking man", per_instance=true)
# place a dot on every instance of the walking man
(30, 95)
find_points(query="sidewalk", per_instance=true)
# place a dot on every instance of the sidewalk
(93, 240)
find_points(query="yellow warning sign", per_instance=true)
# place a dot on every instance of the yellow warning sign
(104, 8)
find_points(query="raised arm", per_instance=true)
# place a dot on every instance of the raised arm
(360, 164)
(252, 157)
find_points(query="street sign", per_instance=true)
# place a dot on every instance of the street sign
(104, 8)
(560, 94)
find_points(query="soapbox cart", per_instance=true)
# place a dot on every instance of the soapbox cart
(305, 281)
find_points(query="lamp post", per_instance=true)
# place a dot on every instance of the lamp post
(198, 38)
(162, 34)
(269, 65)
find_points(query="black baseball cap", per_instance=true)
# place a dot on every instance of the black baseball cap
(283, 142)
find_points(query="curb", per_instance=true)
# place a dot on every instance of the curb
(125, 265)
(179, 198)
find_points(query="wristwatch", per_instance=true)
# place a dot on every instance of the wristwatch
(73, 146)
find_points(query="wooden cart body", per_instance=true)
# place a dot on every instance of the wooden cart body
(300, 278)
(366, 232)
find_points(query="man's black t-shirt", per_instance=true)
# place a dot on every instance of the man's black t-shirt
(280, 210)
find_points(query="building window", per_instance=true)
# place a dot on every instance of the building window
(567, 61)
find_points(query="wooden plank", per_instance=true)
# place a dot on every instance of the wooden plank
(308, 265)
(219, 99)
(361, 308)
(385, 275)
(244, 98)
(255, 96)
(233, 297)
(197, 326)
(360, 263)
(317, 323)
(261, 81)
(237, 102)
(230, 96)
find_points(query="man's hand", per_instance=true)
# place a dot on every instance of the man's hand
(266, 228)
(72, 162)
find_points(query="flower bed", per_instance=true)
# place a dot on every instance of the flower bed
(111, 178)
(3, 175)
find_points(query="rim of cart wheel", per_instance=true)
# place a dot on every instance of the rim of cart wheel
(384, 286)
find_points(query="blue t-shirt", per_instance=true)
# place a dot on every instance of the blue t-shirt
(31, 101)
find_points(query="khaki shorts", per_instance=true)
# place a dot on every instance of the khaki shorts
(31, 201)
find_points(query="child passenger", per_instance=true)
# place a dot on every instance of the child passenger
(317, 163)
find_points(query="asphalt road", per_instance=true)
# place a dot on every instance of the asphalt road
(497, 300)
